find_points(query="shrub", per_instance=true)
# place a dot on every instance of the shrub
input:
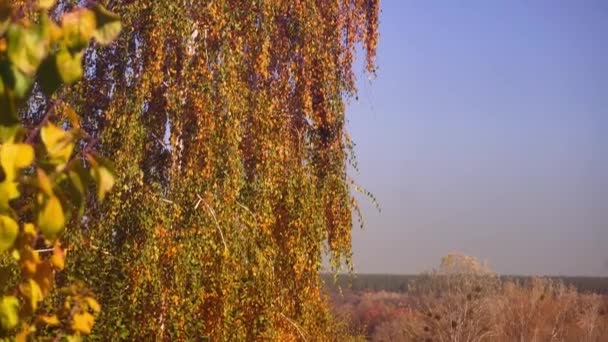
(464, 301)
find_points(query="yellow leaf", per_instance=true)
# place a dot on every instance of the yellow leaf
(58, 143)
(78, 27)
(83, 322)
(32, 291)
(104, 179)
(51, 219)
(93, 304)
(24, 333)
(69, 65)
(24, 155)
(50, 320)
(45, 277)
(8, 232)
(58, 258)
(72, 116)
(30, 231)
(14, 157)
(30, 261)
(46, 4)
(8, 191)
(108, 25)
(45, 183)
(9, 307)
(73, 338)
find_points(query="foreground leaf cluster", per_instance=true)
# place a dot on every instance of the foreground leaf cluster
(44, 175)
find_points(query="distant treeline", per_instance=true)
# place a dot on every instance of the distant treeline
(400, 282)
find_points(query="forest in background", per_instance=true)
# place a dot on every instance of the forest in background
(399, 283)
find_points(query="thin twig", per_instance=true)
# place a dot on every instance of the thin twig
(216, 222)
(198, 202)
(47, 250)
(162, 143)
(247, 209)
(295, 325)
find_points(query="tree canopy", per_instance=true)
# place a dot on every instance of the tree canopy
(225, 122)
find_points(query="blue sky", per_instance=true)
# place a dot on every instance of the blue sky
(485, 132)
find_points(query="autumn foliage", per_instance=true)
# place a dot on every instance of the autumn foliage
(225, 122)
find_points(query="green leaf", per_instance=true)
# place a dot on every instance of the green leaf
(22, 83)
(83, 173)
(15, 85)
(8, 103)
(76, 182)
(8, 232)
(26, 49)
(59, 143)
(9, 312)
(8, 132)
(108, 25)
(51, 219)
(75, 192)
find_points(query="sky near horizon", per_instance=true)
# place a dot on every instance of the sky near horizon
(486, 132)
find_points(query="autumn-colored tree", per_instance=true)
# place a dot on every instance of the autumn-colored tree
(226, 123)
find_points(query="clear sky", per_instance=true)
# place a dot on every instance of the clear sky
(486, 132)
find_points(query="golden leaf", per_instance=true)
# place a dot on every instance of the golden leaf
(8, 232)
(58, 258)
(93, 304)
(9, 316)
(51, 219)
(83, 322)
(50, 320)
(31, 290)
(58, 143)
